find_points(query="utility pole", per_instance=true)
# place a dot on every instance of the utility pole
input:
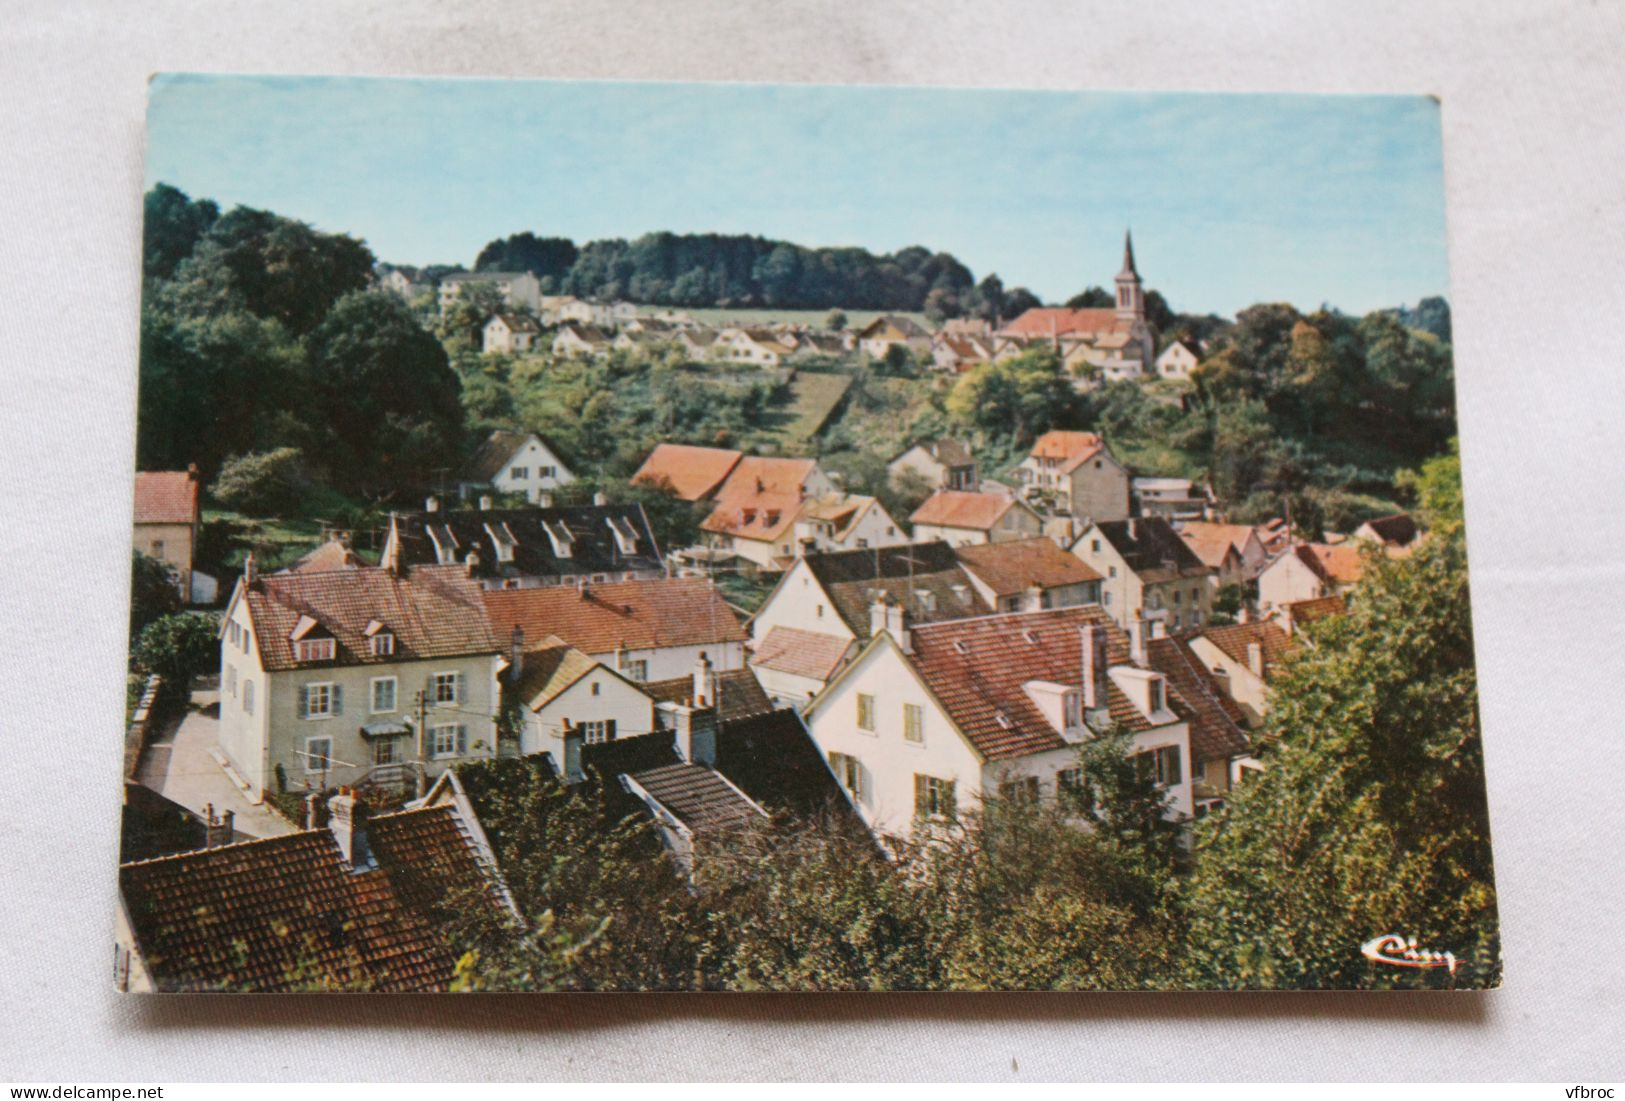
(422, 763)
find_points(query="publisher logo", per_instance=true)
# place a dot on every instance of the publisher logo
(1398, 951)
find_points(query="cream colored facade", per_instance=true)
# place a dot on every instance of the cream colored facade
(170, 544)
(1018, 522)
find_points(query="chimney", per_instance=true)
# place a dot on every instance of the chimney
(961, 593)
(891, 618)
(583, 590)
(1136, 641)
(217, 831)
(1033, 598)
(472, 562)
(313, 810)
(1158, 628)
(191, 471)
(1094, 666)
(485, 502)
(1255, 658)
(694, 732)
(516, 655)
(1133, 530)
(544, 499)
(251, 573)
(347, 821)
(600, 498)
(431, 504)
(705, 682)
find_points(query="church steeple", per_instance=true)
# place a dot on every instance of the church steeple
(1130, 292)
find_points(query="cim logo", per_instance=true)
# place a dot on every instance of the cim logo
(1398, 951)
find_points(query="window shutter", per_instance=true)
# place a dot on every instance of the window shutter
(338, 699)
(304, 702)
(462, 740)
(950, 806)
(922, 796)
(609, 731)
(462, 682)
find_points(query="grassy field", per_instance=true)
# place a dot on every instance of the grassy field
(722, 317)
(813, 397)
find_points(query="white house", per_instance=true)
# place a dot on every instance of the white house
(1076, 473)
(556, 688)
(518, 288)
(509, 334)
(577, 339)
(941, 464)
(1178, 360)
(1243, 658)
(758, 346)
(1308, 571)
(355, 675)
(516, 462)
(1148, 573)
(965, 519)
(928, 721)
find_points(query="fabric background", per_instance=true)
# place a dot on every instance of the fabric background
(1534, 152)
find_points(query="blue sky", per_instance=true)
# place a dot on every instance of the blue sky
(1232, 199)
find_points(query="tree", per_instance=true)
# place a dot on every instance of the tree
(171, 226)
(543, 257)
(178, 648)
(153, 594)
(836, 320)
(1015, 398)
(263, 483)
(1093, 298)
(1436, 488)
(1370, 815)
(1018, 302)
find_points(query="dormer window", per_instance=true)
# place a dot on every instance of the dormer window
(1158, 694)
(1073, 709)
(314, 649)
(383, 644)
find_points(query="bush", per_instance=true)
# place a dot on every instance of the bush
(152, 592)
(263, 483)
(178, 648)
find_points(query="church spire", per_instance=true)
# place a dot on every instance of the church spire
(1130, 293)
(1128, 253)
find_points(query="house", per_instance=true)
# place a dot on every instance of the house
(166, 525)
(1117, 341)
(1234, 552)
(697, 342)
(554, 687)
(370, 675)
(1244, 658)
(1077, 474)
(1221, 748)
(810, 345)
(927, 721)
(1398, 531)
(515, 462)
(1300, 614)
(1308, 571)
(1149, 573)
(817, 616)
(643, 630)
(845, 521)
(939, 464)
(756, 508)
(880, 335)
(1029, 575)
(357, 904)
(968, 326)
(736, 693)
(957, 353)
(692, 473)
(518, 288)
(1170, 498)
(509, 334)
(580, 339)
(335, 553)
(758, 346)
(1179, 359)
(515, 548)
(395, 281)
(962, 519)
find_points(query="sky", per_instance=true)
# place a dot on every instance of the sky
(1232, 199)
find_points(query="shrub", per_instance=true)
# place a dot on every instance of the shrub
(263, 483)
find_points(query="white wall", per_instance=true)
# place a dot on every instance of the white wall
(531, 458)
(667, 662)
(799, 601)
(632, 710)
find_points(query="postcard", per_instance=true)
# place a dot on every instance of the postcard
(634, 536)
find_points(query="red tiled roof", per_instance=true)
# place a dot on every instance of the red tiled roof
(433, 611)
(1010, 568)
(1308, 611)
(1060, 321)
(977, 669)
(286, 913)
(694, 473)
(956, 508)
(331, 555)
(761, 498)
(1217, 721)
(1342, 564)
(165, 497)
(1070, 449)
(637, 615)
(1234, 638)
(1212, 541)
(801, 653)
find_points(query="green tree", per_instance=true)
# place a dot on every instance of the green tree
(178, 648)
(1436, 488)
(1015, 398)
(836, 320)
(171, 226)
(263, 483)
(153, 594)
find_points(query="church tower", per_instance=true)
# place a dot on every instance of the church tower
(1130, 294)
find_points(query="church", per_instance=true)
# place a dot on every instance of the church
(1117, 339)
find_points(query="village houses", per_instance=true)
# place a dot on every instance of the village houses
(166, 525)
(893, 330)
(938, 464)
(576, 338)
(515, 462)
(1076, 473)
(509, 334)
(1149, 573)
(1029, 575)
(963, 519)
(1178, 360)
(1307, 571)
(929, 720)
(759, 346)
(1117, 341)
(518, 288)
(1244, 658)
(375, 674)
(1234, 552)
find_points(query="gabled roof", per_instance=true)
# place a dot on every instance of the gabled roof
(1234, 638)
(694, 473)
(739, 693)
(802, 653)
(516, 322)
(635, 615)
(286, 912)
(533, 539)
(892, 327)
(1342, 565)
(433, 611)
(165, 497)
(957, 508)
(978, 669)
(1012, 567)
(1322, 607)
(482, 276)
(549, 670)
(333, 554)
(853, 578)
(842, 510)
(1060, 321)
(1188, 345)
(1151, 547)
(771, 758)
(495, 453)
(590, 334)
(697, 796)
(761, 498)
(1217, 722)
(945, 450)
(1211, 542)
(1398, 530)
(1070, 449)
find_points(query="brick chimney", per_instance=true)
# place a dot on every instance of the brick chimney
(217, 831)
(251, 573)
(1033, 598)
(1255, 658)
(347, 821)
(1094, 666)
(1136, 641)
(892, 619)
(705, 682)
(472, 562)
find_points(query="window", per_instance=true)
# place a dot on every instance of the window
(1162, 764)
(320, 700)
(448, 740)
(849, 771)
(248, 697)
(1111, 571)
(866, 712)
(1094, 545)
(157, 548)
(913, 722)
(1023, 789)
(635, 670)
(313, 649)
(1159, 694)
(1069, 782)
(383, 694)
(1073, 708)
(933, 797)
(1108, 599)
(385, 751)
(819, 612)
(546, 471)
(231, 680)
(318, 754)
(235, 632)
(383, 644)
(519, 473)
(598, 731)
(446, 688)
